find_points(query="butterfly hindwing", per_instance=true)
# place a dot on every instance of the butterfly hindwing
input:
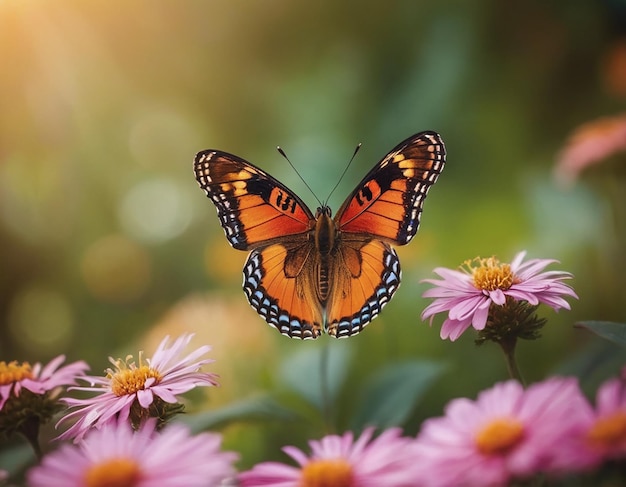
(387, 203)
(277, 283)
(367, 278)
(252, 206)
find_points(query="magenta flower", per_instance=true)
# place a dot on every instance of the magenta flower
(340, 460)
(30, 396)
(507, 433)
(118, 455)
(467, 295)
(601, 432)
(135, 391)
(15, 376)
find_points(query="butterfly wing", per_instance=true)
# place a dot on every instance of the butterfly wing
(259, 213)
(387, 203)
(384, 209)
(365, 278)
(279, 286)
(253, 207)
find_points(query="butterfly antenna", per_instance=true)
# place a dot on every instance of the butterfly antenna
(356, 150)
(282, 153)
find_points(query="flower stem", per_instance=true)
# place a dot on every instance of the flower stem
(325, 395)
(30, 430)
(508, 347)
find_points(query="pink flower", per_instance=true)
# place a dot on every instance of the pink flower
(15, 376)
(144, 389)
(589, 144)
(601, 433)
(118, 455)
(467, 295)
(507, 433)
(30, 396)
(607, 434)
(340, 460)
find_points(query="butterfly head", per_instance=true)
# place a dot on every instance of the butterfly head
(323, 210)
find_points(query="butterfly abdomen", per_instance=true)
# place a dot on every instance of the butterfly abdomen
(325, 234)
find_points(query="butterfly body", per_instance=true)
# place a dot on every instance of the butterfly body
(311, 273)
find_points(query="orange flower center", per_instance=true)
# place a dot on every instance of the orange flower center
(327, 473)
(489, 274)
(128, 379)
(14, 372)
(609, 431)
(499, 436)
(117, 472)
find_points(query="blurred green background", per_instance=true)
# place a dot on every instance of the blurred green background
(107, 243)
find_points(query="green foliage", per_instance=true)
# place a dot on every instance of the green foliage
(260, 408)
(614, 332)
(390, 396)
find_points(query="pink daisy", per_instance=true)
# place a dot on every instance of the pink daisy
(466, 295)
(15, 376)
(140, 390)
(30, 396)
(601, 433)
(607, 434)
(589, 144)
(340, 460)
(118, 455)
(506, 433)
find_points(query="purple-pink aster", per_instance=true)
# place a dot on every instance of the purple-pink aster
(601, 433)
(607, 432)
(37, 379)
(386, 460)
(162, 378)
(117, 455)
(467, 295)
(507, 433)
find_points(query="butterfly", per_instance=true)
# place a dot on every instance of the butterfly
(311, 273)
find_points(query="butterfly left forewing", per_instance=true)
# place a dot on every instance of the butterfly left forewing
(388, 201)
(253, 207)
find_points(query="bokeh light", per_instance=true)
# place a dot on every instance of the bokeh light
(41, 320)
(116, 269)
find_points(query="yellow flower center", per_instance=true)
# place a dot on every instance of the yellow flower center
(489, 274)
(14, 372)
(128, 378)
(117, 472)
(609, 431)
(327, 473)
(499, 436)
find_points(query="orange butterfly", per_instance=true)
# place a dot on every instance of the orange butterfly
(312, 273)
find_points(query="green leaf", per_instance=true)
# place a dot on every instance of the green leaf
(392, 393)
(317, 374)
(16, 458)
(614, 332)
(261, 407)
(595, 362)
